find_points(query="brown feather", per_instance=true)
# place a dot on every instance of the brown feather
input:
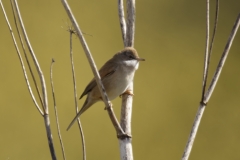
(107, 69)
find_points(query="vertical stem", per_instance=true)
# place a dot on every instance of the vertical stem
(126, 110)
(125, 144)
(21, 60)
(49, 136)
(130, 23)
(122, 21)
(42, 80)
(40, 73)
(206, 64)
(75, 97)
(55, 111)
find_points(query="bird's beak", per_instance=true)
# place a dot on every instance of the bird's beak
(140, 59)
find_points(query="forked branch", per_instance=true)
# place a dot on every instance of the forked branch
(210, 90)
(44, 101)
(21, 60)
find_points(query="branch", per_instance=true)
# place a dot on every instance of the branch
(206, 59)
(126, 152)
(222, 60)
(210, 90)
(130, 23)
(42, 80)
(209, 52)
(75, 96)
(122, 21)
(94, 70)
(25, 54)
(41, 76)
(55, 111)
(21, 60)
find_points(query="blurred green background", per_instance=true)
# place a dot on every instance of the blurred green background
(170, 35)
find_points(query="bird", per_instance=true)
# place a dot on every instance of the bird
(116, 75)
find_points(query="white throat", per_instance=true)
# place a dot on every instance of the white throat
(132, 64)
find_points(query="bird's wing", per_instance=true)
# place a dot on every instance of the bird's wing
(107, 69)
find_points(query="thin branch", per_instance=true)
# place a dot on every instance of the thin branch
(222, 60)
(55, 111)
(21, 61)
(210, 50)
(130, 23)
(214, 30)
(205, 76)
(75, 96)
(49, 136)
(43, 84)
(210, 90)
(94, 69)
(41, 76)
(206, 64)
(194, 130)
(122, 21)
(25, 54)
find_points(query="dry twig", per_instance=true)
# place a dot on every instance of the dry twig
(210, 90)
(21, 61)
(55, 111)
(42, 80)
(75, 95)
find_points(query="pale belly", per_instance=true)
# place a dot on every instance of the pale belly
(118, 84)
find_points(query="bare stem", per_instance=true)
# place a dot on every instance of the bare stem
(214, 30)
(222, 60)
(130, 23)
(21, 61)
(41, 76)
(55, 111)
(125, 144)
(208, 54)
(75, 96)
(43, 84)
(206, 64)
(25, 54)
(122, 21)
(193, 133)
(210, 90)
(49, 136)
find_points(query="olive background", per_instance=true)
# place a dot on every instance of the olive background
(170, 35)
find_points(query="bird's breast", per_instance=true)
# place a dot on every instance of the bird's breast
(118, 82)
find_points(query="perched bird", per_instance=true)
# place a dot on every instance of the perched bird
(116, 75)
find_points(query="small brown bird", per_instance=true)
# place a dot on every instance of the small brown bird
(116, 75)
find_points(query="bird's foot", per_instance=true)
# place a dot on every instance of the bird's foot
(129, 92)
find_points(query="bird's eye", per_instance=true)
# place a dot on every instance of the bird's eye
(131, 57)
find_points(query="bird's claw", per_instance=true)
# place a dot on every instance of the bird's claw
(126, 92)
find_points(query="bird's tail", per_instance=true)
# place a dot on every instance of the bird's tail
(85, 106)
